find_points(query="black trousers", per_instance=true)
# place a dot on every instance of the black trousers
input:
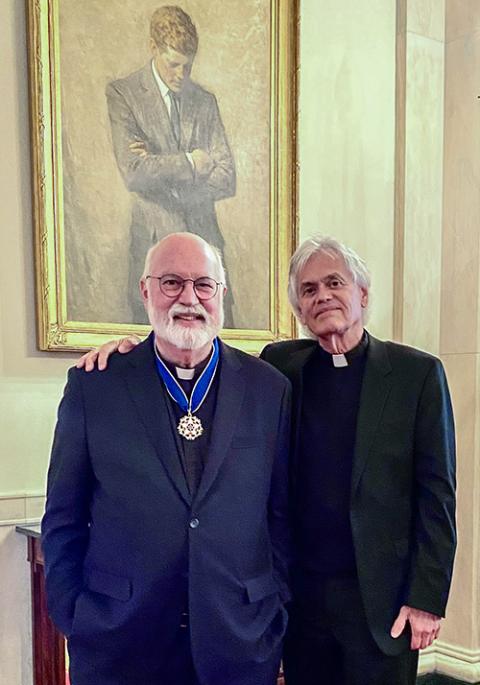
(329, 643)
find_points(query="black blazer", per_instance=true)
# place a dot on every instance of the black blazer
(402, 508)
(124, 541)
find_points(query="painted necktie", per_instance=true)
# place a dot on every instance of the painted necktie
(175, 116)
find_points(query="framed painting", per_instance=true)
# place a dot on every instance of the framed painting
(148, 119)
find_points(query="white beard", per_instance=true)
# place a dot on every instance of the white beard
(184, 338)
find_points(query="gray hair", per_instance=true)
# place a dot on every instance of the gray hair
(312, 246)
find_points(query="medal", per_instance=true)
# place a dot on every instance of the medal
(190, 427)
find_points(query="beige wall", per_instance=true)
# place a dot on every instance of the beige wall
(459, 322)
(419, 235)
(347, 133)
(30, 381)
(401, 185)
(437, 264)
(359, 143)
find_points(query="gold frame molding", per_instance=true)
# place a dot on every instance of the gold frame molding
(55, 331)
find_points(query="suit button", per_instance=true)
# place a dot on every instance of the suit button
(194, 523)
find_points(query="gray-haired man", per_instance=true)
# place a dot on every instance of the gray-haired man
(166, 532)
(373, 482)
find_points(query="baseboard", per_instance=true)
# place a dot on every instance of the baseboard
(438, 679)
(440, 664)
(449, 664)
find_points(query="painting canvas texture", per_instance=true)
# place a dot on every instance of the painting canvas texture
(127, 181)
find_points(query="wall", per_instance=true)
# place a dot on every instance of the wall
(30, 381)
(401, 185)
(459, 314)
(347, 133)
(436, 262)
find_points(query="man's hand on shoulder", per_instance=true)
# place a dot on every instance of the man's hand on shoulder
(425, 627)
(100, 355)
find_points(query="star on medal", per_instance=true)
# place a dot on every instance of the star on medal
(190, 427)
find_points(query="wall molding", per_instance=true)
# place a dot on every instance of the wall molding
(21, 507)
(453, 661)
(456, 662)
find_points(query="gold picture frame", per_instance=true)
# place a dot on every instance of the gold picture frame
(54, 108)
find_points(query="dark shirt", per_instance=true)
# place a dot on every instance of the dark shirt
(193, 453)
(330, 404)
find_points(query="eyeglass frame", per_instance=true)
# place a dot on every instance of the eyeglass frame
(185, 280)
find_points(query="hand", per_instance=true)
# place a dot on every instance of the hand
(203, 162)
(101, 354)
(424, 626)
(138, 147)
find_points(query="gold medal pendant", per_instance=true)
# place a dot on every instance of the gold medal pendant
(190, 427)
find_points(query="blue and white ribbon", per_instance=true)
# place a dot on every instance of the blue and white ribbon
(201, 387)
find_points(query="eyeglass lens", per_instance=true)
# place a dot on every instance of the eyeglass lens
(172, 285)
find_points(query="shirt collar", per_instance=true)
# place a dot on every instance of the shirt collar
(197, 369)
(360, 349)
(356, 353)
(164, 90)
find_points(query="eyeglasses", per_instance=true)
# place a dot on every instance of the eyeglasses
(172, 285)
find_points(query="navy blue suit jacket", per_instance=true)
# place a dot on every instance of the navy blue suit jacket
(119, 548)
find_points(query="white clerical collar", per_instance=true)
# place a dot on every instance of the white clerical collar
(342, 360)
(184, 374)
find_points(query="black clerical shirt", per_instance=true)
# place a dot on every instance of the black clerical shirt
(327, 437)
(193, 453)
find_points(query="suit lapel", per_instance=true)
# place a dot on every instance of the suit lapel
(187, 116)
(294, 372)
(145, 388)
(375, 390)
(155, 111)
(231, 389)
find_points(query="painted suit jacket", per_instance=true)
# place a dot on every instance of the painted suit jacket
(168, 196)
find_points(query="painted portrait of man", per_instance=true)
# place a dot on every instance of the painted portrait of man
(170, 146)
(165, 118)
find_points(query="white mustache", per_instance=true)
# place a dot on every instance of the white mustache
(192, 310)
(168, 328)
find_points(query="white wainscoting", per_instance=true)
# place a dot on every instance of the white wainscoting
(15, 609)
(21, 508)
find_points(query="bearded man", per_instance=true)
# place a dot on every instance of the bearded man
(166, 530)
(372, 481)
